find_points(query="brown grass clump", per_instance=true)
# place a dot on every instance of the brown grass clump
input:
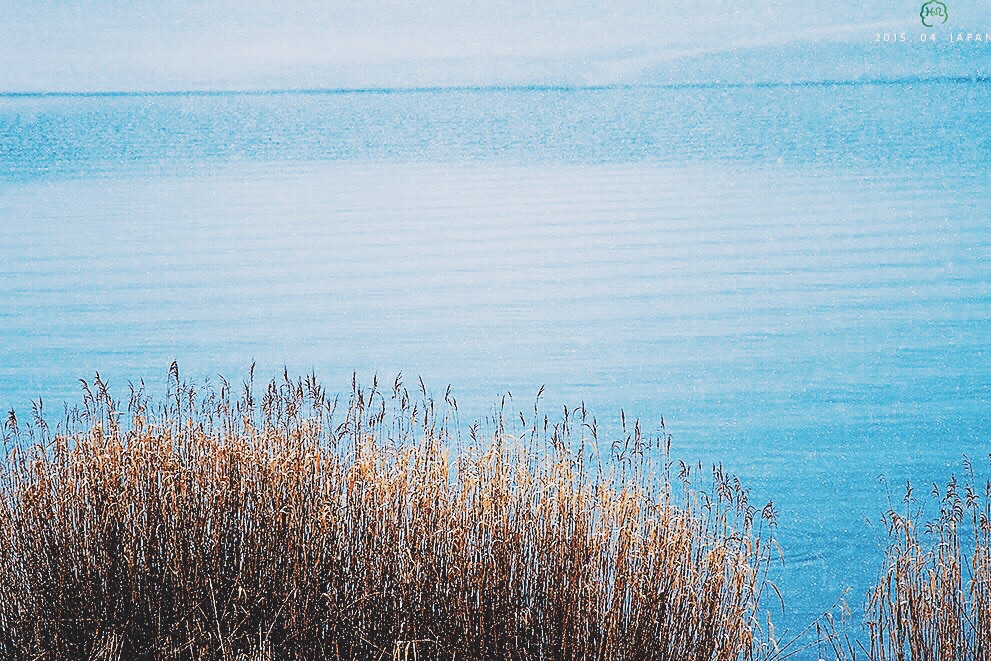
(205, 526)
(933, 599)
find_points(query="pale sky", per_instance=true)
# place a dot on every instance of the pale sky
(110, 45)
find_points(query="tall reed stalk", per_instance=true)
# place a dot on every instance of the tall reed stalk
(204, 525)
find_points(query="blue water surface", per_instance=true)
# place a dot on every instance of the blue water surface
(797, 277)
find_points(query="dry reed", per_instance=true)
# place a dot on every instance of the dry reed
(932, 601)
(204, 525)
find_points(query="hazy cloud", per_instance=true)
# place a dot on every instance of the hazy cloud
(113, 45)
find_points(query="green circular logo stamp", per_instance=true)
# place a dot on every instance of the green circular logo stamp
(933, 12)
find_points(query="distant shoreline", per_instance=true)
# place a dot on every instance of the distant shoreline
(907, 80)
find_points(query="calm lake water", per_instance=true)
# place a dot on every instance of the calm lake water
(797, 278)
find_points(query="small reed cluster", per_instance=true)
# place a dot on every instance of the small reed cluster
(204, 525)
(932, 601)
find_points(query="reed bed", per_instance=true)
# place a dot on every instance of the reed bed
(290, 525)
(932, 601)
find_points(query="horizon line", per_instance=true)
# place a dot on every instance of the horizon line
(317, 91)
